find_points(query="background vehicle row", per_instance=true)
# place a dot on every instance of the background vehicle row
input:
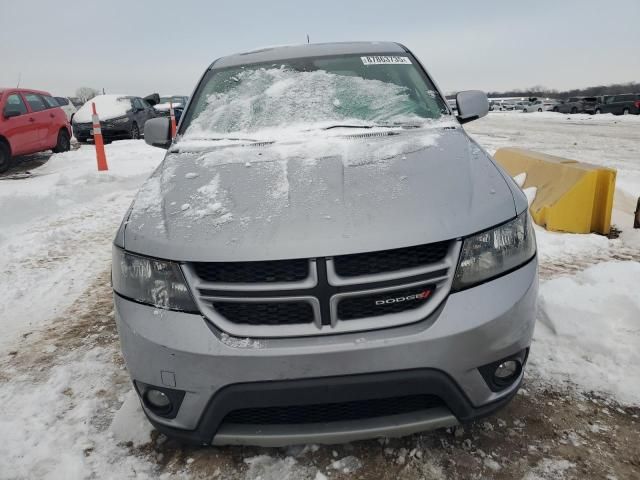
(31, 121)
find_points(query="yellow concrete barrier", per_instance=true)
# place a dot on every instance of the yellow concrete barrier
(571, 196)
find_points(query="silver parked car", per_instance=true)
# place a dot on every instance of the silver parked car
(324, 255)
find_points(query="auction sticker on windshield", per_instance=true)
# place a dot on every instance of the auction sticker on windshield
(386, 59)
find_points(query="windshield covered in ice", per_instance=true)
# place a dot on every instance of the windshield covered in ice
(310, 93)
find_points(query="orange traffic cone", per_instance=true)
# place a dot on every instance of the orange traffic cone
(97, 138)
(173, 120)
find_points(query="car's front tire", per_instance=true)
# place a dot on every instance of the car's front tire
(626, 111)
(598, 111)
(5, 157)
(574, 110)
(64, 142)
(135, 131)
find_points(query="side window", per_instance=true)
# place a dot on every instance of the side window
(50, 101)
(14, 102)
(137, 103)
(35, 102)
(62, 101)
(144, 103)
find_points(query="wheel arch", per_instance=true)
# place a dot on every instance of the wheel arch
(5, 141)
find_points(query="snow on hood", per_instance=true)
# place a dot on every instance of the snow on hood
(107, 106)
(335, 196)
(166, 106)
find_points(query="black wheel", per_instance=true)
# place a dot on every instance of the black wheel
(574, 110)
(626, 111)
(539, 109)
(556, 109)
(5, 157)
(64, 142)
(135, 131)
(598, 111)
(82, 139)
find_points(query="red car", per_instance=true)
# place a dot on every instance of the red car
(30, 121)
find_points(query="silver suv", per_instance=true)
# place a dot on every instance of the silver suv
(324, 255)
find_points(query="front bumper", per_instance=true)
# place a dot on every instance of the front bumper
(109, 132)
(439, 356)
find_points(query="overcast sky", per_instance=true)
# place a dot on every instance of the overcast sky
(137, 47)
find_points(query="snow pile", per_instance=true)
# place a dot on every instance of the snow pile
(347, 465)
(163, 107)
(107, 106)
(316, 145)
(264, 467)
(591, 331)
(130, 423)
(257, 99)
(529, 192)
(56, 229)
(551, 469)
(53, 427)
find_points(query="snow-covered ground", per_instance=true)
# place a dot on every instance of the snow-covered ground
(69, 412)
(56, 229)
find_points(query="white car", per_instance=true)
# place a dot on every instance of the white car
(67, 107)
(522, 106)
(539, 105)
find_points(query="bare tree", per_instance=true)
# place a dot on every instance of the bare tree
(86, 93)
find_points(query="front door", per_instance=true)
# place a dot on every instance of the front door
(39, 117)
(22, 131)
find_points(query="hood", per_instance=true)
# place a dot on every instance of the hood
(322, 197)
(107, 106)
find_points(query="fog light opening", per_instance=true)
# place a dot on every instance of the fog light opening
(506, 372)
(157, 401)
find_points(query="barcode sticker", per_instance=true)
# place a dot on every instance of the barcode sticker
(386, 59)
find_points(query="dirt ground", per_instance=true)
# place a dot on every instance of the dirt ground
(544, 433)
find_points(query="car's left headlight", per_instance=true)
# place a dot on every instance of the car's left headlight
(150, 281)
(117, 121)
(494, 252)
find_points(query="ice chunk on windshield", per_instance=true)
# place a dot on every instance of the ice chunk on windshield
(268, 98)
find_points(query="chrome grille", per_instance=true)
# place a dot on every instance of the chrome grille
(389, 260)
(253, 272)
(303, 297)
(395, 301)
(265, 313)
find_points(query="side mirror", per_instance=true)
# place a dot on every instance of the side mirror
(157, 132)
(9, 113)
(472, 104)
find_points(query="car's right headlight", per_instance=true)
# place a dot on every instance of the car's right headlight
(150, 281)
(495, 252)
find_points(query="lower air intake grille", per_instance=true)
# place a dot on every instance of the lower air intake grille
(267, 313)
(383, 303)
(389, 260)
(333, 412)
(253, 272)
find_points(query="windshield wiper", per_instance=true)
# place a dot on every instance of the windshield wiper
(233, 139)
(348, 126)
(377, 125)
